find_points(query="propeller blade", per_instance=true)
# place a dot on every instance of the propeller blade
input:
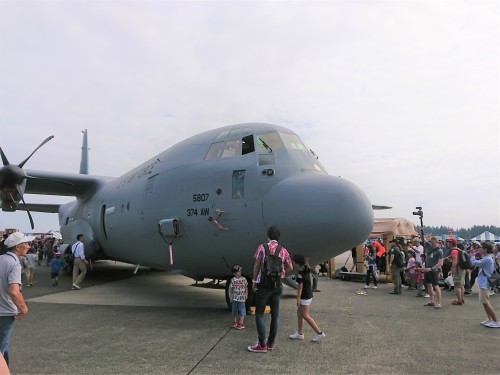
(36, 149)
(4, 158)
(25, 206)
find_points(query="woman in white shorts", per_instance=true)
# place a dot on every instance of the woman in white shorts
(304, 299)
(484, 260)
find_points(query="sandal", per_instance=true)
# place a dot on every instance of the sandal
(429, 304)
(457, 303)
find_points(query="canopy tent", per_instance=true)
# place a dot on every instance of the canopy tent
(54, 234)
(397, 226)
(486, 236)
(444, 237)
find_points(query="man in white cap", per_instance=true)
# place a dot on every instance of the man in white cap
(12, 305)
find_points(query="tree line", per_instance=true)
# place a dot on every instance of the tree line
(466, 233)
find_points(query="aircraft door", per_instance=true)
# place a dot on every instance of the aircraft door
(107, 214)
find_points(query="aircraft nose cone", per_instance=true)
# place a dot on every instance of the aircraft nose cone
(319, 214)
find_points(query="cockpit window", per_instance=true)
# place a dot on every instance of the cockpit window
(247, 146)
(268, 141)
(292, 142)
(240, 142)
(232, 149)
(215, 151)
(222, 136)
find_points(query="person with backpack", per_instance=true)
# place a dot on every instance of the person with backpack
(460, 263)
(396, 263)
(272, 261)
(304, 299)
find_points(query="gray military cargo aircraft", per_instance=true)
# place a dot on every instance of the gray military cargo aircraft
(204, 204)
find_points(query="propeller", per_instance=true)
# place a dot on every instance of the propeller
(26, 207)
(13, 179)
(36, 149)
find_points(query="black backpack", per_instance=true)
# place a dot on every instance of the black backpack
(464, 260)
(270, 277)
(398, 258)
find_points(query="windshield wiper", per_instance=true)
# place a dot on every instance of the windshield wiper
(265, 144)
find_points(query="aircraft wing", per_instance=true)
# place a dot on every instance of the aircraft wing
(40, 207)
(65, 184)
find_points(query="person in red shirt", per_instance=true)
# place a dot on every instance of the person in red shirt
(381, 255)
(457, 273)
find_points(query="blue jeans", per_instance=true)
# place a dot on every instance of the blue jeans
(272, 298)
(6, 325)
(369, 272)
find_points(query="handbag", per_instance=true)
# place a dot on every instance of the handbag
(494, 279)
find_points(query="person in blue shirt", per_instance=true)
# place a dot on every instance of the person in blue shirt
(55, 267)
(485, 262)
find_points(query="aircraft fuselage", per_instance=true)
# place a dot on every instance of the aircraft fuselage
(205, 204)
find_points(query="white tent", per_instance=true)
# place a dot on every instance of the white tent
(55, 234)
(486, 236)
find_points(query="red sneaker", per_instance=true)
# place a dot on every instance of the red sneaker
(271, 346)
(239, 326)
(257, 348)
(234, 325)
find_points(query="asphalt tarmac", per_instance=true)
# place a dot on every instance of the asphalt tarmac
(157, 323)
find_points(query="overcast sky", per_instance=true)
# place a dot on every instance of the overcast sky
(400, 97)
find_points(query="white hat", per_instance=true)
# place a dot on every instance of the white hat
(417, 239)
(16, 238)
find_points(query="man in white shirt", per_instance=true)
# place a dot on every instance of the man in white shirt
(80, 263)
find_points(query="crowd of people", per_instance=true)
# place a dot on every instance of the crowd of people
(41, 252)
(448, 264)
(20, 255)
(419, 268)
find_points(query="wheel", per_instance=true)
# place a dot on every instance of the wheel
(291, 281)
(228, 280)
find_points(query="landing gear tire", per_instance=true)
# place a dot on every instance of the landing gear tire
(228, 302)
(291, 281)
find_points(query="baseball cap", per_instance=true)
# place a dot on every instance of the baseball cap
(17, 238)
(417, 239)
(451, 240)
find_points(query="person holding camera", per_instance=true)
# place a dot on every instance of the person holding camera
(485, 262)
(433, 262)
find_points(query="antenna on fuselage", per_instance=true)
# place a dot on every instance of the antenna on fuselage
(84, 163)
